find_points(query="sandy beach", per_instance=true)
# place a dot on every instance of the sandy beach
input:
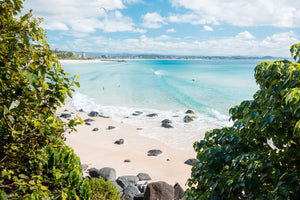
(97, 149)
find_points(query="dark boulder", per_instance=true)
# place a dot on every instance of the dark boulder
(119, 141)
(166, 125)
(108, 173)
(117, 185)
(111, 127)
(154, 152)
(87, 123)
(137, 113)
(139, 129)
(127, 160)
(152, 115)
(178, 192)
(142, 187)
(129, 192)
(94, 173)
(143, 177)
(95, 129)
(124, 181)
(81, 110)
(166, 121)
(159, 190)
(88, 120)
(191, 161)
(65, 115)
(93, 114)
(189, 112)
(188, 118)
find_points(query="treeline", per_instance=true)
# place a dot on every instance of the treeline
(65, 54)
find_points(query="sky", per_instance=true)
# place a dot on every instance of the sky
(171, 27)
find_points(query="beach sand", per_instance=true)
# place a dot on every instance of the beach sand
(97, 149)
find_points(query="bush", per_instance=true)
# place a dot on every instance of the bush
(103, 190)
(259, 156)
(34, 161)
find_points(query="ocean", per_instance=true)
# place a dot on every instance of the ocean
(166, 87)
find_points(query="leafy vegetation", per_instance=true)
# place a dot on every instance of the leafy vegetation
(259, 156)
(34, 161)
(65, 54)
(103, 190)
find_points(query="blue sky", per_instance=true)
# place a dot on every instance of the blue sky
(180, 27)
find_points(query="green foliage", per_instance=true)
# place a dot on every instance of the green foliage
(65, 55)
(259, 156)
(103, 190)
(34, 162)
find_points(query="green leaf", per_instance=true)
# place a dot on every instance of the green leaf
(3, 195)
(32, 77)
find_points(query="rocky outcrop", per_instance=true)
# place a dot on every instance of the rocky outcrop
(129, 192)
(124, 181)
(159, 190)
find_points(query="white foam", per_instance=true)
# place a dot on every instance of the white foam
(182, 136)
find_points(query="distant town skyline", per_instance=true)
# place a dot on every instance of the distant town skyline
(171, 27)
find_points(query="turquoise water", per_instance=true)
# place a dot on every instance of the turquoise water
(168, 87)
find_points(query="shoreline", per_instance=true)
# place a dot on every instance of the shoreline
(97, 149)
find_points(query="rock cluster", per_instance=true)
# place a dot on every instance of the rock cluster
(131, 187)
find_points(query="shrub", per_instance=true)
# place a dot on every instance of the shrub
(103, 190)
(259, 156)
(34, 161)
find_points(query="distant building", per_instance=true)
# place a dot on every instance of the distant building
(82, 55)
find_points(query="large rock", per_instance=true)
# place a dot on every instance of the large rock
(120, 189)
(93, 114)
(159, 190)
(142, 187)
(166, 125)
(65, 115)
(191, 161)
(144, 177)
(124, 181)
(178, 193)
(119, 141)
(188, 118)
(166, 121)
(88, 120)
(152, 115)
(111, 127)
(189, 112)
(130, 191)
(93, 172)
(108, 173)
(154, 152)
(137, 113)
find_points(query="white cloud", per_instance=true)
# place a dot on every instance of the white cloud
(82, 17)
(153, 20)
(193, 18)
(208, 28)
(245, 35)
(133, 1)
(274, 45)
(172, 30)
(283, 13)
